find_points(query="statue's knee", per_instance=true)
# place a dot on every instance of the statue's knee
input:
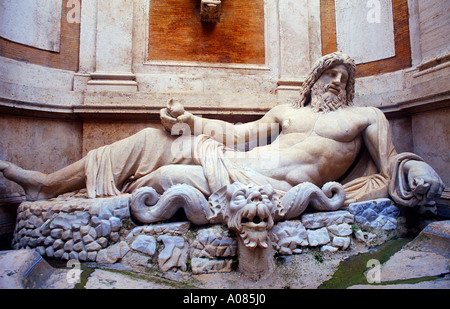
(167, 172)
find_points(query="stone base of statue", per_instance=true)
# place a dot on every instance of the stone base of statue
(103, 230)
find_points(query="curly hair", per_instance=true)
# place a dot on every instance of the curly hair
(327, 62)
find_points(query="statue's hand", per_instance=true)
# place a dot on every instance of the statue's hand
(424, 182)
(173, 114)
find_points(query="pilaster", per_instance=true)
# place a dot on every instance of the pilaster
(114, 45)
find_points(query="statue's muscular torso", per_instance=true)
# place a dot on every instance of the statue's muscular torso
(312, 146)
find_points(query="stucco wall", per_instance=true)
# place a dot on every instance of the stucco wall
(40, 144)
(431, 137)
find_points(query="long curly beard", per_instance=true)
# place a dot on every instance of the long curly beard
(252, 235)
(321, 102)
(253, 239)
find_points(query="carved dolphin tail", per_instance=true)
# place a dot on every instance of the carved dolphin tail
(331, 197)
(148, 207)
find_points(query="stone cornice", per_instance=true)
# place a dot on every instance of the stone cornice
(422, 88)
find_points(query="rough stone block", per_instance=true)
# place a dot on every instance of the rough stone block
(322, 219)
(105, 228)
(49, 251)
(73, 255)
(102, 241)
(115, 224)
(84, 230)
(343, 229)
(328, 248)
(87, 239)
(58, 244)
(59, 253)
(175, 253)
(76, 236)
(379, 213)
(93, 246)
(145, 244)
(289, 236)
(48, 241)
(66, 235)
(207, 266)
(82, 256)
(56, 233)
(213, 242)
(113, 254)
(341, 242)
(95, 221)
(68, 246)
(318, 237)
(92, 256)
(78, 246)
(176, 228)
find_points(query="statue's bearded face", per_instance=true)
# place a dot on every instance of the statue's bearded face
(329, 91)
(250, 213)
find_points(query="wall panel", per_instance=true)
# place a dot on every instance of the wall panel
(177, 34)
(66, 58)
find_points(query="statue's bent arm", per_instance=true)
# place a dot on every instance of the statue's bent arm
(378, 141)
(422, 184)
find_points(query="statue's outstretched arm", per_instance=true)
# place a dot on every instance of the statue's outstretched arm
(176, 120)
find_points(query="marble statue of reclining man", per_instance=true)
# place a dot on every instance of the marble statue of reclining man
(322, 138)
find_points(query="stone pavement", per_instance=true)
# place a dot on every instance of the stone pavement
(25, 268)
(424, 263)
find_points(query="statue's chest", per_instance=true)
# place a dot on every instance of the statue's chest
(339, 127)
(336, 126)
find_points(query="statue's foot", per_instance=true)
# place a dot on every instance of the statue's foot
(30, 181)
(3, 165)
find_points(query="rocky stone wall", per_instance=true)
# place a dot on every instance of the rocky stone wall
(101, 230)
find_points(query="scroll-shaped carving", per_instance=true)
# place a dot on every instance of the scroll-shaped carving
(210, 11)
(331, 197)
(257, 204)
(148, 207)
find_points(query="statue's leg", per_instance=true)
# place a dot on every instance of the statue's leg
(135, 156)
(40, 186)
(109, 169)
(167, 176)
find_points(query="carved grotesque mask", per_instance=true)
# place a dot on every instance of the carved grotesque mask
(250, 212)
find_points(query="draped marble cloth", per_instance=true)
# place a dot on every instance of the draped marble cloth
(134, 162)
